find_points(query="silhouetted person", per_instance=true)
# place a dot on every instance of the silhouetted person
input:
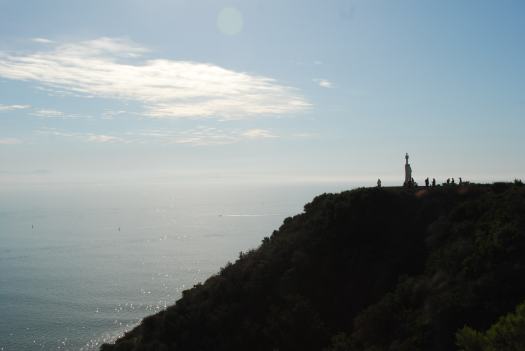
(427, 182)
(433, 182)
(460, 181)
(453, 182)
(448, 181)
(379, 183)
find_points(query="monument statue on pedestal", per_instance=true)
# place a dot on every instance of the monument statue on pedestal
(409, 182)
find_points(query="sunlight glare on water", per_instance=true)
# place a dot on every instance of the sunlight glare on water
(80, 265)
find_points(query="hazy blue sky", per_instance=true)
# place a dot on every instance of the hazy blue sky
(265, 90)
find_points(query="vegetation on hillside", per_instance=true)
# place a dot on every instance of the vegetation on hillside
(368, 269)
(506, 334)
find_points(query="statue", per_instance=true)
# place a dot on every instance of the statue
(408, 173)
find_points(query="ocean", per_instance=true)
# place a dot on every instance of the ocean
(82, 263)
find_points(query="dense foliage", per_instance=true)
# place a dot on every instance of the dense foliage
(507, 334)
(369, 269)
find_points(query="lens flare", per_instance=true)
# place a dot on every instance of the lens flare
(230, 21)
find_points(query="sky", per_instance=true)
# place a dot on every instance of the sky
(260, 91)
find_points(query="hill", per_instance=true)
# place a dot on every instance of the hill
(368, 269)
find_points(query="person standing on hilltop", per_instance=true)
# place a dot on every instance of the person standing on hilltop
(379, 183)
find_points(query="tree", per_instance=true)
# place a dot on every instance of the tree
(507, 334)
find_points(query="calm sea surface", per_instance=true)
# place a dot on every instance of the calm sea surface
(81, 264)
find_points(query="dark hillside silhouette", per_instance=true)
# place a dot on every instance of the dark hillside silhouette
(369, 269)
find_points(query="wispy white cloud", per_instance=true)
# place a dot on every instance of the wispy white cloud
(42, 112)
(258, 134)
(110, 114)
(85, 137)
(199, 136)
(52, 91)
(42, 41)
(113, 68)
(56, 114)
(13, 107)
(203, 136)
(102, 138)
(324, 83)
(48, 113)
(10, 141)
